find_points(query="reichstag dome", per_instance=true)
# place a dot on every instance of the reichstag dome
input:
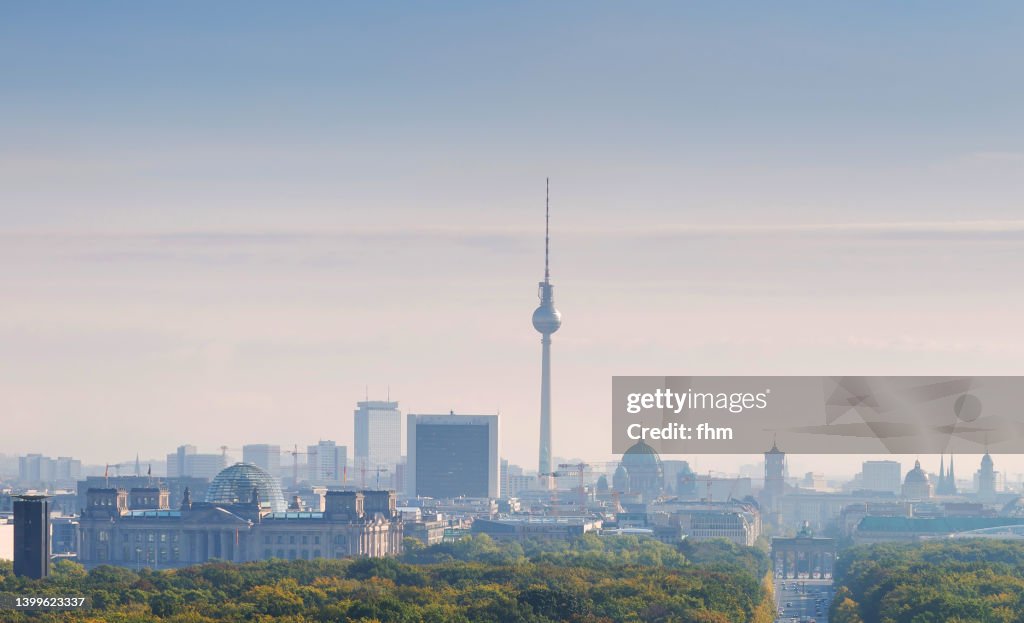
(234, 485)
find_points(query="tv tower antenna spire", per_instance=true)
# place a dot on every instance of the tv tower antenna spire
(547, 227)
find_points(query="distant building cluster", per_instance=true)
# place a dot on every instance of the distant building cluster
(36, 470)
(454, 483)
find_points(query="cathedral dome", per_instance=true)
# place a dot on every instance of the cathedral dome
(916, 475)
(643, 472)
(235, 484)
(641, 455)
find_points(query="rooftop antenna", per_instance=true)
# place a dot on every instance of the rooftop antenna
(547, 226)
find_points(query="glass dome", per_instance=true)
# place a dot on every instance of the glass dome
(235, 484)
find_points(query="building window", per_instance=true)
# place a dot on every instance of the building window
(305, 539)
(316, 553)
(305, 554)
(291, 540)
(280, 553)
(268, 554)
(316, 540)
(280, 539)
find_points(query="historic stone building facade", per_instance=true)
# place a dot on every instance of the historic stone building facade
(353, 523)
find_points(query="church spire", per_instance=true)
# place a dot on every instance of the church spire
(952, 477)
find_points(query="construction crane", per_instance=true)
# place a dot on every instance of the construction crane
(582, 470)
(224, 453)
(710, 482)
(295, 464)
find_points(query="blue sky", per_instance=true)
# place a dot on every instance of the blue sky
(249, 202)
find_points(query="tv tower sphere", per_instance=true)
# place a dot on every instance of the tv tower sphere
(547, 319)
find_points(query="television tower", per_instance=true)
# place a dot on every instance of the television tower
(546, 320)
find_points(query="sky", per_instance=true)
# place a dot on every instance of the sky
(226, 223)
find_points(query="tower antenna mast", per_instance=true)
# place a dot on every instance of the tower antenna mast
(547, 227)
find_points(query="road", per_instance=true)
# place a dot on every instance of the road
(802, 600)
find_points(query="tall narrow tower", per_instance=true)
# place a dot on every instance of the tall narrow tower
(32, 536)
(774, 483)
(546, 320)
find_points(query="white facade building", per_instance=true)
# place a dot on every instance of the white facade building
(327, 463)
(378, 435)
(881, 476)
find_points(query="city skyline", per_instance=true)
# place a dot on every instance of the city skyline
(740, 466)
(220, 231)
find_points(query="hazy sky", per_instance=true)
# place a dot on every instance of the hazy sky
(219, 222)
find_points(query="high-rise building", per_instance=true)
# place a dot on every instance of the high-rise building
(452, 456)
(264, 456)
(176, 460)
(546, 320)
(881, 476)
(32, 536)
(185, 461)
(327, 463)
(378, 435)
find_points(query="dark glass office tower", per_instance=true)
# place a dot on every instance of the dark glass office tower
(451, 456)
(32, 536)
